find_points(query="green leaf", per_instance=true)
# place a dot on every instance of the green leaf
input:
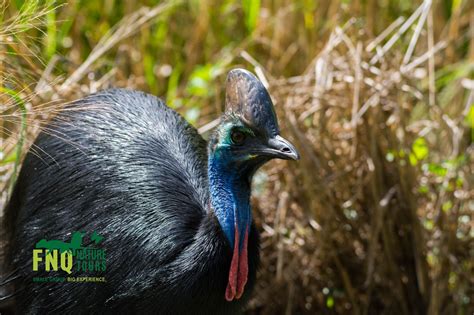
(423, 189)
(437, 169)
(431, 259)
(429, 224)
(420, 149)
(456, 4)
(12, 157)
(251, 11)
(201, 78)
(447, 206)
(148, 68)
(199, 81)
(51, 31)
(453, 72)
(309, 7)
(470, 117)
(413, 159)
(330, 302)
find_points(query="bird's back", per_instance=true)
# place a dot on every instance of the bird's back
(121, 163)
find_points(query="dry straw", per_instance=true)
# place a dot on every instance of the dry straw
(361, 225)
(376, 218)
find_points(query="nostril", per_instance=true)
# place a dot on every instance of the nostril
(285, 150)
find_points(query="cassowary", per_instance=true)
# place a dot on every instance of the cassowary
(174, 212)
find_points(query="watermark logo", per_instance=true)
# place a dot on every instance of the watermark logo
(70, 257)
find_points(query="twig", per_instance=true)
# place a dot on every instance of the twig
(384, 34)
(431, 61)
(424, 57)
(355, 97)
(373, 99)
(257, 67)
(43, 85)
(278, 226)
(416, 34)
(209, 126)
(397, 35)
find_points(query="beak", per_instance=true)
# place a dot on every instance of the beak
(280, 148)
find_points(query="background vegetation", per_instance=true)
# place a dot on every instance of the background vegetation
(377, 217)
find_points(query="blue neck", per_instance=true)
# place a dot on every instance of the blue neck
(230, 196)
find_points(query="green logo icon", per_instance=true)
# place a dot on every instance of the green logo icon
(73, 256)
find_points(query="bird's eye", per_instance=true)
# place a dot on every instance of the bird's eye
(237, 137)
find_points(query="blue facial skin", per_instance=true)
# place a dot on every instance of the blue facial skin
(230, 191)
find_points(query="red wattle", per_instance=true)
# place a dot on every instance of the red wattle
(243, 267)
(238, 272)
(234, 265)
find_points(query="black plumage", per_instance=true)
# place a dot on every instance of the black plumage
(122, 163)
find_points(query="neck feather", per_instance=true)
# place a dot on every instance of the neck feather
(230, 197)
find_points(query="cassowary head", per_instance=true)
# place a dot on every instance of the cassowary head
(247, 137)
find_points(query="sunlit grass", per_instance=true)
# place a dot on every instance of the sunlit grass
(408, 153)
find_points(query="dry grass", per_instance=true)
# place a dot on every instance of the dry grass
(367, 223)
(377, 217)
